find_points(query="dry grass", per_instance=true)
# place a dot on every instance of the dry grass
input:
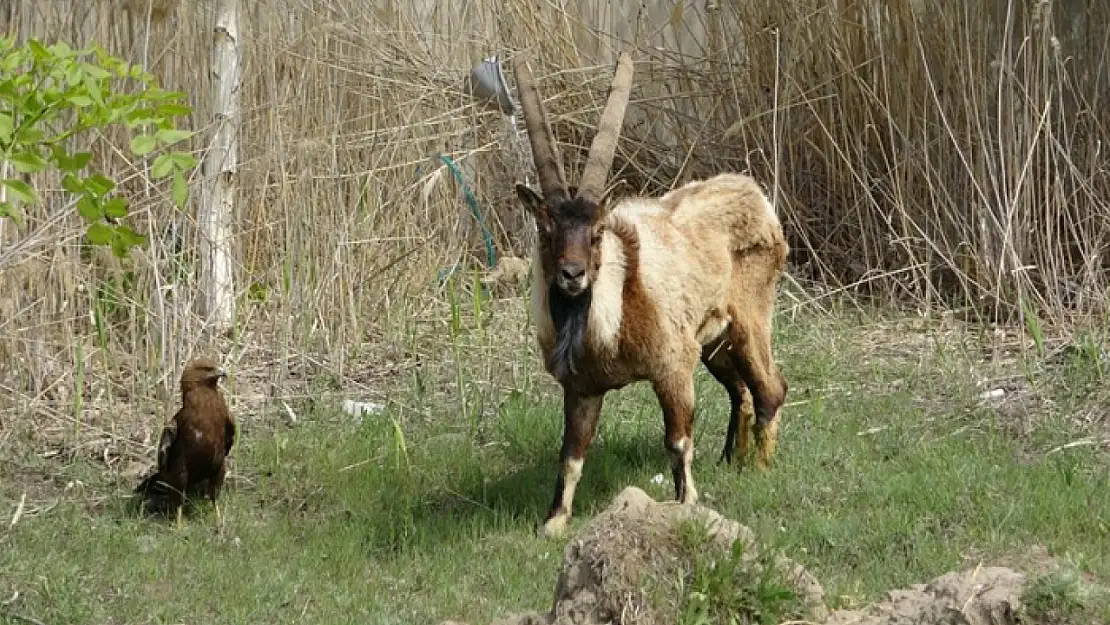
(942, 158)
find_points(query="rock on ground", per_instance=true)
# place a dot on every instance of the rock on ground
(632, 545)
(981, 596)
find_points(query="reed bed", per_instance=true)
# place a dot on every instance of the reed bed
(945, 157)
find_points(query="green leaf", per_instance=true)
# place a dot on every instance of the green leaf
(183, 160)
(7, 127)
(142, 145)
(162, 167)
(61, 49)
(99, 185)
(14, 61)
(8, 90)
(60, 156)
(93, 87)
(88, 208)
(125, 238)
(80, 100)
(31, 134)
(99, 234)
(81, 159)
(51, 96)
(74, 75)
(174, 110)
(180, 190)
(129, 236)
(40, 51)
(94, 71)
(140, 117)
(6, 210)
(171, 135)
(116, 208)
(28, 162)
(73, 184)
(119, 248)
(21, 190)
(136, 72)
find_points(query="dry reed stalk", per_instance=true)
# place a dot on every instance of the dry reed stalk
(949, 157)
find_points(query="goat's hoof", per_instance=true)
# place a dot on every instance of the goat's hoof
(554, 527)
(732, 461)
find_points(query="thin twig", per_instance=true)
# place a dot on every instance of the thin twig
(1083, 442)
(18, 511)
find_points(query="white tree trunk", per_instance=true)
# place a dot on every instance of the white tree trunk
(3, 198)
(220, 166)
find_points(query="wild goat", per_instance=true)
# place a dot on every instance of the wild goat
(644, 290)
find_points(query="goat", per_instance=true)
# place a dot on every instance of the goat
(644, 289)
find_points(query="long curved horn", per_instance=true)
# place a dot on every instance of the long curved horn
(604, 146)
(549, 167)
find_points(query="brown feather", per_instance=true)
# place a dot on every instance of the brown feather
(195, 444)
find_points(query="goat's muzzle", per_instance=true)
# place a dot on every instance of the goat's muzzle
(571, 278)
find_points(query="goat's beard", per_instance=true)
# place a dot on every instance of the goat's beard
(570, 316)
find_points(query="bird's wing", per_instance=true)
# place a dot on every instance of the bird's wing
(219, 411)
(148, 482)
(169, 434)
(231, 432)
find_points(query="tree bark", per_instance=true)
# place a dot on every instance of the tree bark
(220, 167)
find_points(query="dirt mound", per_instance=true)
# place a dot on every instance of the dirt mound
(642, 561)
(982, 596)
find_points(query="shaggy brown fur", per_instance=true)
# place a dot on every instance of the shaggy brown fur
(645, 291)
(194, 444)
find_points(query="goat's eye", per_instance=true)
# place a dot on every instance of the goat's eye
(595, 240)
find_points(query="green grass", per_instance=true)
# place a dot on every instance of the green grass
(727, 589)
(889, 472)
(1063, 597)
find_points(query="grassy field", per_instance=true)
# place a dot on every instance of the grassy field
(891, 470)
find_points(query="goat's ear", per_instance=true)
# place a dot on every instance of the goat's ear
(530, 199)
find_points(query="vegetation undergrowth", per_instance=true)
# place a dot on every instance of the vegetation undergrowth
(908, 448)
(730, 590)
(892, 469)
(1062, 597)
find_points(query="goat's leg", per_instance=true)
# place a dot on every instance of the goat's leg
(747, 415)
(580, 414)
(739, 423)
(720, 364)
(751, 349)
(676, 397)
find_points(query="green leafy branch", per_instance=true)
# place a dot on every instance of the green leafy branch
(52, 95)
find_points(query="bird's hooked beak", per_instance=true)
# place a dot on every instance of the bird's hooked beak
(219, 373)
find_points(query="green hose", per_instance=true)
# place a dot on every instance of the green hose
(487, 237)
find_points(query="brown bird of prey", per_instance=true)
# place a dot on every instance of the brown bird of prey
(194, 444)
